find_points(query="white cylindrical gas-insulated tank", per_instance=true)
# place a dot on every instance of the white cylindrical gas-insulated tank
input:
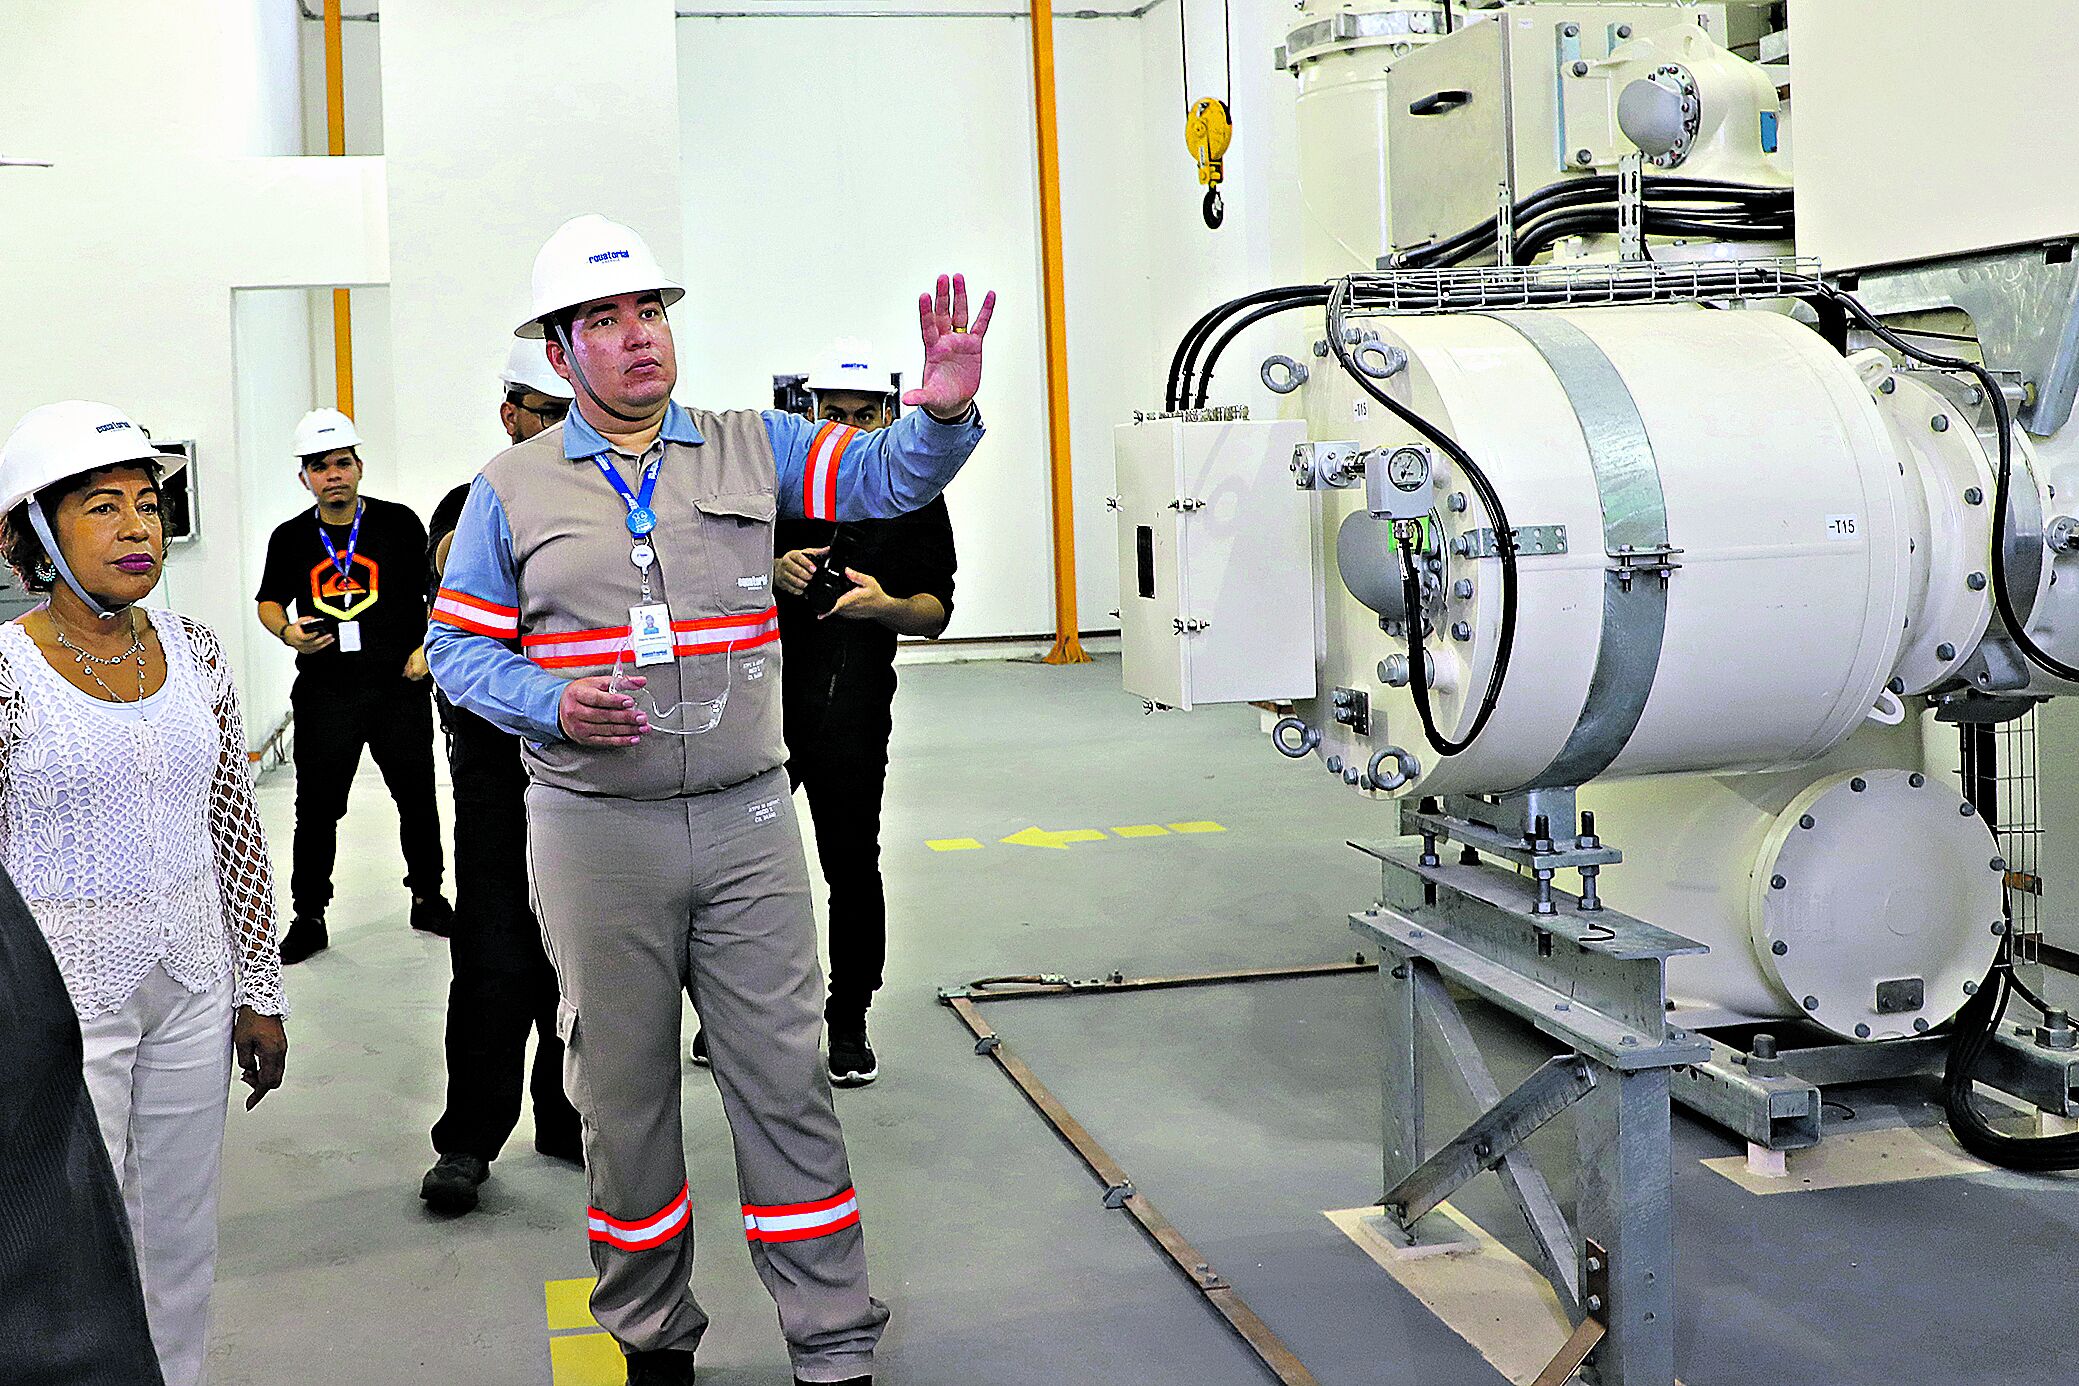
(1731, 539)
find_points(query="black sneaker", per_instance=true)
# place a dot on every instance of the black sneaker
(433, 915)
(664, 1367)
(698, 1053)
(306, 937)
(852, 1061)
(450, 1186)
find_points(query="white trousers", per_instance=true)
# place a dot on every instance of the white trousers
(159, 1071)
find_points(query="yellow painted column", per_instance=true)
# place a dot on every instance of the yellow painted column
(1061, 491)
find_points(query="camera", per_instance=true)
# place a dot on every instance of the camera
(828, 582)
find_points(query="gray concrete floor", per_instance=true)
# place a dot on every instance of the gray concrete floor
(1243, 1112)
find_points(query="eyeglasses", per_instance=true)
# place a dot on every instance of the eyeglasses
(552, 412)
(689, 717)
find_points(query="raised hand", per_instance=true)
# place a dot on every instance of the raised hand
(952, 349)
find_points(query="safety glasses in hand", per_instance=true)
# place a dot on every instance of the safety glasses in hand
(689, 717)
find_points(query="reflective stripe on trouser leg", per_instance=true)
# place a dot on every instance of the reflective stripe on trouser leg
(612, 881)
(759, 992)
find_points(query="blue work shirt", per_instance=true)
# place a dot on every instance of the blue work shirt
(821, 471)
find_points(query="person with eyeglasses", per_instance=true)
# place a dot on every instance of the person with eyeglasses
(502, 986)
(609, 600)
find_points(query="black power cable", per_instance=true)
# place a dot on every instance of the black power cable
(1505, 546)
(1243, 324)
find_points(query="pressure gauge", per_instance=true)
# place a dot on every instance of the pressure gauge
(1398, 484)
(1408, 469)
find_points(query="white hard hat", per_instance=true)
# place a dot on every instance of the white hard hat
(66, 439)
(527, 368)
(851, 365)
(321, 431)
(590, 258)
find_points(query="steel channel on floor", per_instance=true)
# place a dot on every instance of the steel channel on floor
(1120, 1191)
(1595, 982)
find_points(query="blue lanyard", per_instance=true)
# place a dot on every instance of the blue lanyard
(344, 566)
(641, 518)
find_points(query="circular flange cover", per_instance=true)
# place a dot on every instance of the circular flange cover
(1875, 899)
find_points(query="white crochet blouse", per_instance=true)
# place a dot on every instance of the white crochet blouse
(132, 832)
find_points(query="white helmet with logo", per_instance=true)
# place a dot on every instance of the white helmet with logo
(590, 258)
(65, 439)
(851, 366)
(527, 368)
(322, 431)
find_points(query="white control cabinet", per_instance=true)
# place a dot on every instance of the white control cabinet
(1216, 562)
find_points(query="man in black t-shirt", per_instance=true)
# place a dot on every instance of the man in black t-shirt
(354, 571)
(839, 689)
(503, 983)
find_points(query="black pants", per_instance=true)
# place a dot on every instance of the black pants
(503, 985)
(844, 795)
(394, 720)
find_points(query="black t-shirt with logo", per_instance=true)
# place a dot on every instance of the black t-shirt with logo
(385, 589)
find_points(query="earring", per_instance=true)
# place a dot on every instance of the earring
(46, 572)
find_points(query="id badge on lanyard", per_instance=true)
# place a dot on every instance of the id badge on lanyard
(649, 634)
(649, 623)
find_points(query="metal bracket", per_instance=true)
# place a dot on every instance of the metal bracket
(1505, 225)
(1186, 504)
(1115, 1197)
(1631, 207)
(1353, 709)
(986, 1045)
(1634, 560)
(1592, 1329)
(1335, 466)
(1531, 541)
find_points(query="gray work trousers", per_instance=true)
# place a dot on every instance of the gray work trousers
(709, 894)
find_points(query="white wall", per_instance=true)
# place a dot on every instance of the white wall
(500, 122)
(122, 259)
(786, 247)
(834, 167)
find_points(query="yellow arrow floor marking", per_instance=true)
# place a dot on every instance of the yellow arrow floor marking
(1142, 830)
(953, 844)
(1200, 827)
(1058, 841)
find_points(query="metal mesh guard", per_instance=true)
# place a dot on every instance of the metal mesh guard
(1586, 285)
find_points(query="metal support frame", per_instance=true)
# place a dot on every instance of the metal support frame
(1773, 1099)
(1588, 977)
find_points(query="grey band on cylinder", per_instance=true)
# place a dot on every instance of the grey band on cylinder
(1635, 519)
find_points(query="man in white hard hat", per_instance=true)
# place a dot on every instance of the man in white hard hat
(354, 570)
(888, 578)
(503, 986)
(608, 599)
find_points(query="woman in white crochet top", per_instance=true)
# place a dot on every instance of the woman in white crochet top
(127, 822)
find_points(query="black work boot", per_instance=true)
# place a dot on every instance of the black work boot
(433, 915)
(306, 937)
(664, 1367)
(450, 1186)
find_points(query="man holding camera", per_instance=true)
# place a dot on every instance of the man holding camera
(354, 569)
(880, 579)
